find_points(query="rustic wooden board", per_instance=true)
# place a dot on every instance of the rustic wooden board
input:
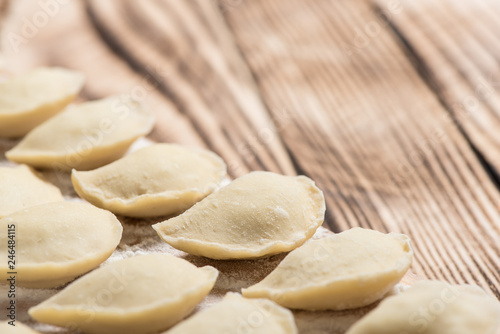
(362, 96)
(201, 71)
(456, 46)
(369, 130)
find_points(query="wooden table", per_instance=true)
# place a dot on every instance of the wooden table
(391, 106)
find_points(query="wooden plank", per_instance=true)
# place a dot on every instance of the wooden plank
(203, 75)
(393, 163)
(341, 97)
(204, 98)
(456, 45)
(366, 127)
(68, 39)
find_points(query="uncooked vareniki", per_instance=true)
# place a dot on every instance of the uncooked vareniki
(56, 242)
(22, 187)
(157, 180)
(29, 99)
(142, 294)
(259, 214)
(433, 307)
(85, 136)
(235, 314)
(348, 270)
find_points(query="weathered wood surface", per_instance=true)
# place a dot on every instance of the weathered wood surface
(390, 107)
(370, 131)
(456, 46)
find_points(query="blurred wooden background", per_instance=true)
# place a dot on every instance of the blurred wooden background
(392, 107)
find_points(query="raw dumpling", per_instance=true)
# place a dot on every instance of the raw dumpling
(86, 136)
(142, 294)
(28, 100)
(157, 180)
(56, 242)
(19, 328)
(259, 214)
(21, 187)
(347, 270)
(235, 314)
(433, 307)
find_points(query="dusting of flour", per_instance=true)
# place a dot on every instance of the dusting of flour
(139, 238)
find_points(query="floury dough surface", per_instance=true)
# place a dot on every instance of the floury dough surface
(274, 319)
(345, 271)
(259, 214)
(21, 187)
(139, 238)
(29, 99)
(66, 140)
(145, 294)
(57, 242)
(161, 179)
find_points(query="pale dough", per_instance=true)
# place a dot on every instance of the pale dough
(348, 270)
(20, 328)
(157, 180)
(29, 99)
(433, 307)
(259, 214)
(22, 187)
(56, 242)
(142, 294)
(85, 136)
(235, 314)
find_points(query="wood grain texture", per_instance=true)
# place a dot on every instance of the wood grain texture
(325, 88)
(368, 129)
(203, 74)
(68, 39)
(199, 88)
(456, 45)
